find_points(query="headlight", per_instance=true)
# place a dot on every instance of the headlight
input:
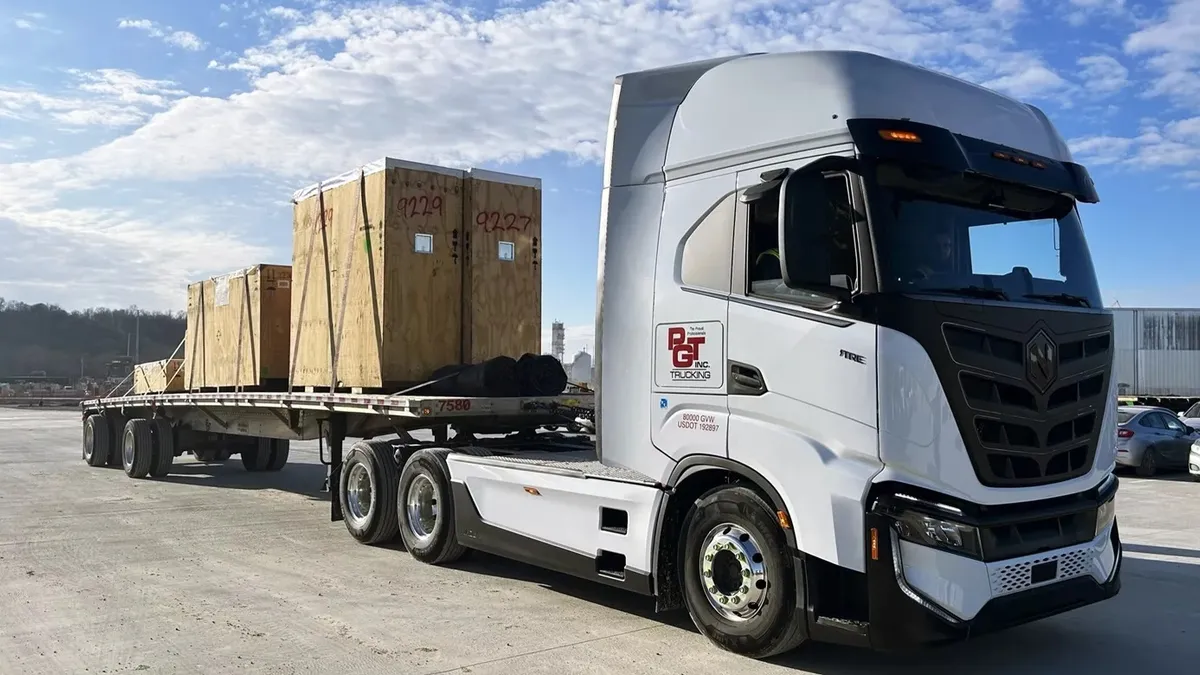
(1105, 516)
(944, 534)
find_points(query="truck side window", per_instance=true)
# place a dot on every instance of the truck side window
(764, 276)
(706, 261)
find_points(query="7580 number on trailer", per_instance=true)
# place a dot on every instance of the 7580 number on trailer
(454, 405)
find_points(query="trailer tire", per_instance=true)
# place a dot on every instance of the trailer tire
(97, 440)
(257, 456)
(372, 468)
(426, 508)
(164, 447)
(738, 576)
(280, 448)
(137, 448)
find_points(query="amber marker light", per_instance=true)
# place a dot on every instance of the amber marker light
(874, 544)
(902, 136)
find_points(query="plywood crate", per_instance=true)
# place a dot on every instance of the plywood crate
(237, 329)
(158, 377)
(377, 258)
(502, 290)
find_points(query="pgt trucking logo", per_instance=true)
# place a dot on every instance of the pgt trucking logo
(684, 345)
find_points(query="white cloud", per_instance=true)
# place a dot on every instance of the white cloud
(337, 86)
(33, 21)
(176, 38)
(107, 97)
(1103, 74)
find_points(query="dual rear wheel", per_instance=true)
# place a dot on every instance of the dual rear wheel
(380, 501)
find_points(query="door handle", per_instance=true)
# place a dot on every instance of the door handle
(745, 380)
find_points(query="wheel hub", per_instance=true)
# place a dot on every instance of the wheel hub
(733, 572)
(360, 494)
(421, 507)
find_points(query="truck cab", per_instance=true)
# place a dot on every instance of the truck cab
(848, 321)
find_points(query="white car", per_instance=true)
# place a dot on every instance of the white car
(1194, 461)
(1191, 416)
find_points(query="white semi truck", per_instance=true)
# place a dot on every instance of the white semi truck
(853, 374)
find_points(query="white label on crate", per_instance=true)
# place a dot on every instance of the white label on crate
(284, 283)
(507, 250)
(423, 243)
(221, 291)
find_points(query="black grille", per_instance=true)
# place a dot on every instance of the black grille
(1019, 435)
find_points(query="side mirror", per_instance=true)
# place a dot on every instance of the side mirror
(805, 228)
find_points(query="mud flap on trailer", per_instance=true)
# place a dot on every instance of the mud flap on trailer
(335, 436)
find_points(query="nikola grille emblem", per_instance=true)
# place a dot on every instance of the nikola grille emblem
(1041, 361)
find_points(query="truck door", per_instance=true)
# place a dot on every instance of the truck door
(691, 307)
(802, 376)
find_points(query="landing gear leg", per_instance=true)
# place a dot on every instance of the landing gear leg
(335, 435)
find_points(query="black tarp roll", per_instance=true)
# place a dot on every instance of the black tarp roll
(541, 375)
(495, 377)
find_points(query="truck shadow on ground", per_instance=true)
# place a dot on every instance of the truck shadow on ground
(1152, 626)
(302, 478)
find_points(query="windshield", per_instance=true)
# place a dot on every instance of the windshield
(967, 235)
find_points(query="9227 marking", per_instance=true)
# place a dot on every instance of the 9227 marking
(492, 221)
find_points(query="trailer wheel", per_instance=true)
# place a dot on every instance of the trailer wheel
(164, 447)
(257, 456)
(280, 448)
(737, 576)
(426, 509)
(367, 490)
(137, 448)
(97, 440)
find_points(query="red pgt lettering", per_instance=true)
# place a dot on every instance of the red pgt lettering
(684, 350)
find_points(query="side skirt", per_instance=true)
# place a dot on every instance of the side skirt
(473, 532)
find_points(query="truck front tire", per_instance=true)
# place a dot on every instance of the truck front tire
(367, 492)
(738, 576)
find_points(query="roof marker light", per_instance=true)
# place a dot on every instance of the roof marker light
(902, 136)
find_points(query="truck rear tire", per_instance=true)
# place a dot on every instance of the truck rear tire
(164, 447)
(137, 448)
(367, 490)
(737, 574)
(426, 509)
(97, 440)
(280, 449)
(256, 456)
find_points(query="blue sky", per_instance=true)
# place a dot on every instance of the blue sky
(144, 143)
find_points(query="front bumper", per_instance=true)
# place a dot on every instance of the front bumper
(919, 595)
(1194, 459)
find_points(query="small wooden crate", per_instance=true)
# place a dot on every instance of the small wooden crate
(237, 330)
(502, 290)
(377, 257)
(158, 377)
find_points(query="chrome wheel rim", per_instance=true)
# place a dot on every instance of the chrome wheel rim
(421, 506)
(733, 572)
(89, 441)
(127, 450)
(360, 494)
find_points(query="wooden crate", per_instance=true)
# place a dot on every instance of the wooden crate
(158, 377)
(377, 258)
(237, 329)
(502, 290)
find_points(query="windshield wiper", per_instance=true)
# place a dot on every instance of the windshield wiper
(970, 291)
(1061, 298)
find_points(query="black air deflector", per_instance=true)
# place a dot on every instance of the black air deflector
(954, 152)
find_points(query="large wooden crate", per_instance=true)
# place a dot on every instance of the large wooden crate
(377, 258)
(158, 377)
(237, 329)
(502, 290)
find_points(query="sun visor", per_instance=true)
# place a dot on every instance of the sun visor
(913, 142)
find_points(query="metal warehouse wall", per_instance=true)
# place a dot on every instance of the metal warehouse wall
(1157, 351)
